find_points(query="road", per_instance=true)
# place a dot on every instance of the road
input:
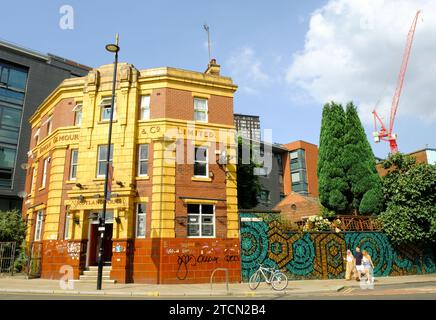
(415, 291)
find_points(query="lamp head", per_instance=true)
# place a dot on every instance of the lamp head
(112, 48)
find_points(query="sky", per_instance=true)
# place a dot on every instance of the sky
(288, 57)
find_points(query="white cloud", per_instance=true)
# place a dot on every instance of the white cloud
(353, 50)
(247, 70)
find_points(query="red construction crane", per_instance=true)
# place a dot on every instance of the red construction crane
(383, 133)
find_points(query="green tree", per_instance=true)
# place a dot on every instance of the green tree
(410, 195)
(12, 227)
(248, 185)
(332, 184)
(365, 191)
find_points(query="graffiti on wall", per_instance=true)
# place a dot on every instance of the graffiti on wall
(320, 255)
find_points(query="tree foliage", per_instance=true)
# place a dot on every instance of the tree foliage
(332, 184)
(248, 183)
(365, 191)
(410, 195)
(12, 227)
(347, 176)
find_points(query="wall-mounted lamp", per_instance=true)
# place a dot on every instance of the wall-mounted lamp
(79, 185)
(76, 220)
(120, 183)
(81, 198)
(211, 175)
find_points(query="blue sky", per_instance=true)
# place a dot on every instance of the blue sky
(257, 43)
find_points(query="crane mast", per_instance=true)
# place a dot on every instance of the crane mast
(386, 133)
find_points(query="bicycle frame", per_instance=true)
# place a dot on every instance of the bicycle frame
(264, 270)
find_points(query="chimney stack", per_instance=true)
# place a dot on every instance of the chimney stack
(213, 68)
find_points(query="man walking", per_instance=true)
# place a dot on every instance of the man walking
(359, 267)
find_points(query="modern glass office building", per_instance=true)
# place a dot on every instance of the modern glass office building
(26, 79)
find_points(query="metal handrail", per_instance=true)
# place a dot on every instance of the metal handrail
(227, 277)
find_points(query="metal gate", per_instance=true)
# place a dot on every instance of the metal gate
(7, 257)
(35, 255)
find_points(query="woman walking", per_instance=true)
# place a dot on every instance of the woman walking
(350, 265)
(368, 267)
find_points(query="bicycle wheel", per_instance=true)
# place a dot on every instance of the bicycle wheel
(254, 280)
(279, 281)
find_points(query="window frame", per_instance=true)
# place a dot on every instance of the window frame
(67, 223)
(142, 108)
(78, 110)
(98, 175)
(143, 160)
(205, 111)
(201, 161)
(38, 225)
(200, 223)
(44, 172)
(104, 102)
(73, 151)
(138, 204)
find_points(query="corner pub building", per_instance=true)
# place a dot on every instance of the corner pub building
(168, 220)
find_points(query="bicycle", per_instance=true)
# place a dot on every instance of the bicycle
(277, 279)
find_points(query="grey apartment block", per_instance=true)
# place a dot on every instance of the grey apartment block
(26, 79)
(247, 126)
(271, 175)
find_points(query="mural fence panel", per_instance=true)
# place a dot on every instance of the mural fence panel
(320, 255)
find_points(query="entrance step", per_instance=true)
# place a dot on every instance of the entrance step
(90, 275)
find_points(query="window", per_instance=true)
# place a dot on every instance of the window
(73, 164)
(201, 162)
(143, 160)
(38, 226)
(49, 125)
(78, 114)
(140, 220)
(101, 160)
(105, 106)
(37, 136)
(295, 177)
(144, 113)
(200, 109)
(201, 220)
(7, 164)
(44, 172)
(67, 225)
(294, 155)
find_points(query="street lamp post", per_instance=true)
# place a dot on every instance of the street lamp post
(114, 48)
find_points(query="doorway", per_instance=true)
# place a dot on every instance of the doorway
(93, 243)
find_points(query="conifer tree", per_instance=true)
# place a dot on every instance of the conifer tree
(365, 190)
(332, 184)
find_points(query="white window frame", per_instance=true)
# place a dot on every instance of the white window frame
(78, 110)
(202, 110)
(38, 225)
(143, 160)
(144, 214)
(44, 172)
(67, 226)
(72, 164)
(200, 215)
(144, 108)
(107, 102)
(202, 161)
(104, 160)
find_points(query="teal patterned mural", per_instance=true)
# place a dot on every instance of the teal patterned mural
(319, 255)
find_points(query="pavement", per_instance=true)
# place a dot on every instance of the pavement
(19, 284)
